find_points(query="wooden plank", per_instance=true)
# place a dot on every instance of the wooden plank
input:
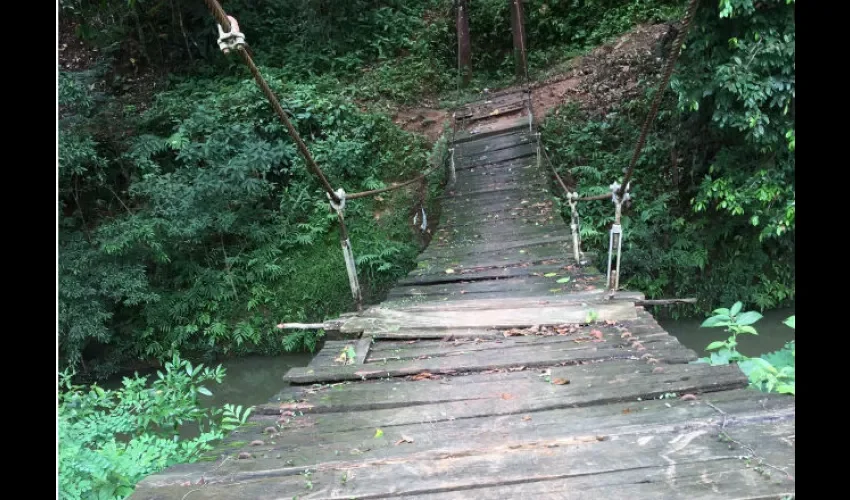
(442, 333)
(505, 127)
(492, 112)
(564, 301)
(381, 320)
(562, 242)
(616, 419)
(527, 356)
(497, 159)
(361, 350)
(494, 144)
(473, 275)
(350, 429)
(511, 463)
(461, 346)
(537, 286)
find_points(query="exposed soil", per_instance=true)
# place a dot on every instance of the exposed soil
(598, 82)
(425, 121)
(608, 75)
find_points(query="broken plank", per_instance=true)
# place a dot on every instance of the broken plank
(361, 350)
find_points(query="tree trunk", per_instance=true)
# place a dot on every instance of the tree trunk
(518, 29)
(463, 47)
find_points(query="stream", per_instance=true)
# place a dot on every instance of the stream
(772, 334)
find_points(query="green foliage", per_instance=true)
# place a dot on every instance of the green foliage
(111, 439)
(713, 192)
(771, 372)
(736, 323)
(203, 229)
(749, 96)
(388, 49)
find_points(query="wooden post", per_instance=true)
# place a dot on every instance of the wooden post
(464, 52)
(518, 29)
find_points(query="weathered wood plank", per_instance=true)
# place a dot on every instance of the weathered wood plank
(613, 421)
(339, 432)
(528, 356)
(521, 303)
(381, 320)
(512, 463)
(362, 349)
(592, 412)
(485, 132)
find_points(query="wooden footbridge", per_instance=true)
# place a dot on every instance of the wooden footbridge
(500, 368)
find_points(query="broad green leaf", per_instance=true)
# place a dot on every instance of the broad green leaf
(564, 280)
(715, 321)
(720, 357)
(715, 345)
(747, 329)
(790, 321)
(736, 308)
(748, 318)
(203, 390)
(722, 310)
(378, 433)
(764, 365)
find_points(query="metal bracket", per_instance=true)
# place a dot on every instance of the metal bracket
(339, 207)
(230, 40)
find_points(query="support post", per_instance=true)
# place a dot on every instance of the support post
(615, 242)
(347, 253)
(452, 170)
(518, 29)
(575, 227)
(464, 51)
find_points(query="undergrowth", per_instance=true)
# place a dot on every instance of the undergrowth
(111, 439)
(713, 196)
(770, 372)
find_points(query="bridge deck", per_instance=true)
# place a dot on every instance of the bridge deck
(481, 376)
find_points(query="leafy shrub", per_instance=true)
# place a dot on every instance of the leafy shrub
(111, 439)
(713, 210)
(204, 229)
(773, 371)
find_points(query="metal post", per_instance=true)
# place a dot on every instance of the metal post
(575, 227)
(347, 253)
(538, 152)
(616, 239)
(452, 172)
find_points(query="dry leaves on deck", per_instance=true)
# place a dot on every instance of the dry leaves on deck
(542, 330)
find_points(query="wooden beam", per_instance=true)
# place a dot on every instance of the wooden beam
(464, 51)
(665, 302)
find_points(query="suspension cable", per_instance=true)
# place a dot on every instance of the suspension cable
(224, 21)
(665, 80)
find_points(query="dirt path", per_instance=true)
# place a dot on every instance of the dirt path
(598, 81)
